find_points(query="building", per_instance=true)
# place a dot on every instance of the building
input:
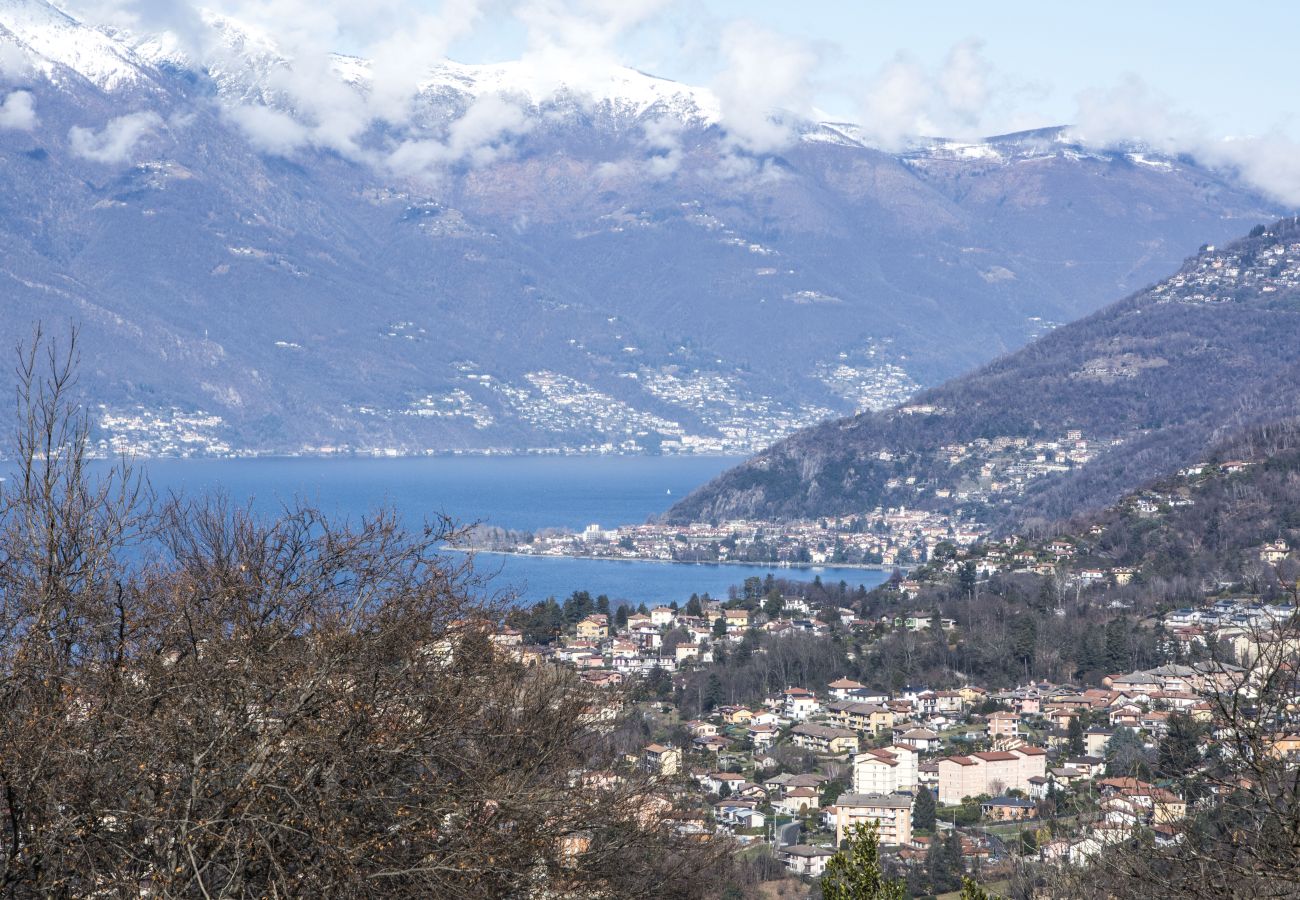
(921, 739)
(763, 735)
(800, 704)
(891, 812)
(658, 759)
(798, 801)
(662, 615)
(1008, 809)
(843, 688)
(870, 718)
(989, 773)
(886, 771)
(593, 628)
(825, 739)
(804, 859)
(1003, 724)
(736, 619)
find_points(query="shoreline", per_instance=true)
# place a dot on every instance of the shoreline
(799, 567)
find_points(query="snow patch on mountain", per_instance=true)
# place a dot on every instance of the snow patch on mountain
(53, 44)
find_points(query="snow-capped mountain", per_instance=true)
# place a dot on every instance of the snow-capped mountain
(251, 274)
(42, 39)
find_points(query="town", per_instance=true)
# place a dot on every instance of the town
(883, 537)
(960, 779)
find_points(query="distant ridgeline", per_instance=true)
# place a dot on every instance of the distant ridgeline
(1074, 420)
(614, 276)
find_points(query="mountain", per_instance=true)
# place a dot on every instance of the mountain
(600, 267)
(1073, 420)
(1228, 520)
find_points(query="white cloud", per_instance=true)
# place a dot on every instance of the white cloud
(480, 136)
(270, 130)
(765, 74)
(116, 142)
(1131, 113)
(18, 111)
(905, 100)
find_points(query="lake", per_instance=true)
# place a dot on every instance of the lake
(525, 493)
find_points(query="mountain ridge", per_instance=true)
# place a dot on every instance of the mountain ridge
(576, 287)
(1069, 422)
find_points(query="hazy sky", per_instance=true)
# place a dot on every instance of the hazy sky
(1236, 68)
(1181, 77)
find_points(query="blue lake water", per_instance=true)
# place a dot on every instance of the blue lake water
(525, 493)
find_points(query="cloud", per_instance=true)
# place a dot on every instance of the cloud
(906, 100)
(118, 139)
(1131, 114)
(480, 136)
(765, 73)
(270, 130)
(664, 137)
(18, 111)
(895, 107)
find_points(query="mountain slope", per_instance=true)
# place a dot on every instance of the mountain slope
(1073, 420)
(586, 284)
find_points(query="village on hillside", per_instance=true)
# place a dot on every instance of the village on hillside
(1039, 771)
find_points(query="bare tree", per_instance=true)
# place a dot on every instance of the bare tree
(195, 702)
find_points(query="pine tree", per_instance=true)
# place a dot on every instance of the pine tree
(1075, 736)
(855, 874)
(923, 810)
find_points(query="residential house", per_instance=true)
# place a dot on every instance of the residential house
(658, 759)
(1003, 724)
(798, 801)
(921, 739)
(825, 739)
(800, 704)
(763, 736)
(886, 771)
(715, 782)
(1096, 739)
(1007, 809)
(737, 619)
(892, 813)
(804, 859)
(593, 627)
(989, 773)
(870, 718)
(662, 616)
(842, 688)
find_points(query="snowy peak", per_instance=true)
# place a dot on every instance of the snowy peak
(626, 91)
(54, 44)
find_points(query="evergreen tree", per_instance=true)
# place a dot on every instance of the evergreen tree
(620, 616)
(1024, 637)
(923, 810)
(720, 627)
(693, 607)
(1180, 750)
(855, 874)
(713, 693)
(1074, 734)
(773, 603)
(967, 578)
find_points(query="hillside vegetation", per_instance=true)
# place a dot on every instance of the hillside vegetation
(1072, 421)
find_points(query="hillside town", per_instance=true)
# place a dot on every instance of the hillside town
(1035, 772)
